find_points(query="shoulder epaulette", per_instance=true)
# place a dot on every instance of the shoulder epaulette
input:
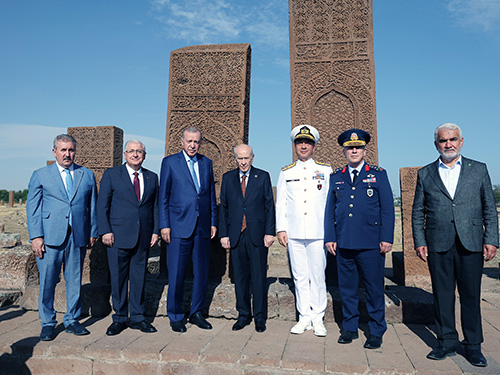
(374, 167)
(288, 166)
(322, 163)
(337, 170)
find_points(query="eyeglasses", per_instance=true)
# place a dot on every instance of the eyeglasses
(140, 152)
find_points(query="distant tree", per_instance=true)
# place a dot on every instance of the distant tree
(4, 195)
(21, 194)
(496, 191)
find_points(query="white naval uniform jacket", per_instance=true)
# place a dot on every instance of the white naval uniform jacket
(301, 198)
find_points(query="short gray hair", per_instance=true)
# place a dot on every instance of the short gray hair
(448, 126)
(192, 129)
(64, 138)
(133, 141)
(242, 144)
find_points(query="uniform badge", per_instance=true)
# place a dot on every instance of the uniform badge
(320, 186)
(369, 192)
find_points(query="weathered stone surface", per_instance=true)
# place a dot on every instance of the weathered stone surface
(8, 240)
(332, 72)
(17, 268)
(209, 87)
(416, 272)
(99, 147)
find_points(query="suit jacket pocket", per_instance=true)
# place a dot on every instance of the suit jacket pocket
(116, 221)
(477, 222)
(373, 221)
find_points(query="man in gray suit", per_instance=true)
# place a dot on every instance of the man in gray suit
(455, 228)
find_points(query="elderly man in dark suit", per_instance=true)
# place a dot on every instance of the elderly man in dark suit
(455, 228)
(127, 212)
(247, 228)
(62, 221)
(188, 220)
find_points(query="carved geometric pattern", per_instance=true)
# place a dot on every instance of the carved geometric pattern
(98, 148)
(332, 72)
(209, 87)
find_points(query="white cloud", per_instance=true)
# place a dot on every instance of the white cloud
(476, 13)
(219, 21)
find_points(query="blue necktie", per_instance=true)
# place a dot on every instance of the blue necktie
(69, 183)
(193, 175)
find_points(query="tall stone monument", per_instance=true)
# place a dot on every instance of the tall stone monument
(99, 147)
(332, 72)
(209, 88)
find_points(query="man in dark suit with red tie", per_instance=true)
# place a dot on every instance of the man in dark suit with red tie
(247, 227)
(127, 214)
(188, 220)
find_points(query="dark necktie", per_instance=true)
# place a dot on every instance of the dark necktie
(137, 187)
(355, 173)
(243, 190)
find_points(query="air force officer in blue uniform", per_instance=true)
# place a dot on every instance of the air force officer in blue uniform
(127, 211)
(62, 221)
(359, 229)
(188, 220)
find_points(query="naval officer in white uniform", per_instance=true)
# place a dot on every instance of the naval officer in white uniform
(300, 208)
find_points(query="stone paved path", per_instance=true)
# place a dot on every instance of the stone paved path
(222, 351)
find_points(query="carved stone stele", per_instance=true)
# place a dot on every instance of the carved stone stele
(209, 87)
(98, 147)
(332, 72)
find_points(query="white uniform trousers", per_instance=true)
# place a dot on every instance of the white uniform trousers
(308, 263)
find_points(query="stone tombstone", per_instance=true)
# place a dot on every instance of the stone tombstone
(11, 198)
(99, 147)
(209, 87)
(332, 72)
(416, 272)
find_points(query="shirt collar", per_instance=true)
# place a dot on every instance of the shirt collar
(443, 165)
(131, 171)
(61, 169)
(359, 168)
(246, 174)
(188, 158)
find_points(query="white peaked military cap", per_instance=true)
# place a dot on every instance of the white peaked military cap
(305, 132)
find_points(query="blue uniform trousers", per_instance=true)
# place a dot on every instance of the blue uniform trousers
(370, 263)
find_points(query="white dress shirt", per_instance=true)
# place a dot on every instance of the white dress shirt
(450, 176)
(196, 168)
(140, 176)
(352, 169)
(63, 173)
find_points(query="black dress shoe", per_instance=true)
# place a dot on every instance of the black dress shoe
(178, 326)
(347, 336)
(260, 326)
(200, 321)
(475, 357)
(143, 326)
(241, 323)
(441, 352)
(47, 333)
(77, 329)
(115, 328)
(373, 342)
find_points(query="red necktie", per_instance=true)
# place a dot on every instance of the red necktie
(137, 187)
(243, 190)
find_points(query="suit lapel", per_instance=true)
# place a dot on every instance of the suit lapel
(127, 182)
(346, 175)
(464, 176)
(56, 176)
(77, 179)
(436, 178)
(185, 169)
(252, 176)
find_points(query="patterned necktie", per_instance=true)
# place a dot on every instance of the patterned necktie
(355, 175)
(243, 190)
(137, 187)
(69, 183)
(193, 175)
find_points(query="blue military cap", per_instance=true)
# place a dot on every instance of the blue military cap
(354, 137)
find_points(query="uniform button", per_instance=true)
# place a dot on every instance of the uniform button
(352, 196)
(350, 215)
(305, 189)
(305, 168)
(305, 201)
(305, 213)
(305, 178)
(453, 204)
(354, 188)
(351, 205)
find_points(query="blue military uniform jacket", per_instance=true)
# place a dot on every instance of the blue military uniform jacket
(359, 216)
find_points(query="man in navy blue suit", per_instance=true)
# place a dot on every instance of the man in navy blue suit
(247, 228)
(188, 220)
(62, 221)
(127, 212)
(359, 229)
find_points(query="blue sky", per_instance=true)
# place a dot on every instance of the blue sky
(94, 63)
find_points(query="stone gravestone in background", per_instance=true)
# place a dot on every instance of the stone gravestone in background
(332, 72)
(409, 269)
(209, 87)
